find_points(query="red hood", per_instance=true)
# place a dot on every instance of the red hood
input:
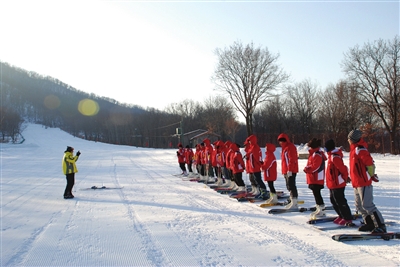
(360, 143)
(270, 148)
(206, 141)
(283, 135)
(234, 147)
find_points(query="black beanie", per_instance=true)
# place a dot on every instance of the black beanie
(329, 145)
(314, 143)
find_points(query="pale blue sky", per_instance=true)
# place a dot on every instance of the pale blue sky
(157, 53)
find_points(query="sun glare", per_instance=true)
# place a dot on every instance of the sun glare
(88, 107)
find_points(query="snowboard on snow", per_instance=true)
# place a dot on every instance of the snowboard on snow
(254, 199)
(243, 194)
(348, 226)
(280, 211)
(267, 205)
(101, 187)
(371, 236)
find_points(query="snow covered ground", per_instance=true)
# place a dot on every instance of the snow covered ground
(157, 219)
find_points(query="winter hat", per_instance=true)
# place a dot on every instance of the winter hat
(355, 136)
(69, 149)
(314, 143)
(180, 145)
(329, 145)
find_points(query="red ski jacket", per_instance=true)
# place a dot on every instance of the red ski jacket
(336, 172)
(315, 168)
(269, 166)
(289, 157)
(360, 158)
(237, 163)
(253, 155)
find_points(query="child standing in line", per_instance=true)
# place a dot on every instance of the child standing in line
(362, 173)
(270, 172)
(337, 177)
(189, 159)
(290, 168)
(181, 159)
(315, 174)
(238, 167)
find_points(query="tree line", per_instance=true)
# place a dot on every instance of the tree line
(252, 84)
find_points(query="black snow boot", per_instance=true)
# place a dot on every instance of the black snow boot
(381, 226)
(368, 225)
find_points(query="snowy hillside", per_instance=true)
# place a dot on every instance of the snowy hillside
(157, 219)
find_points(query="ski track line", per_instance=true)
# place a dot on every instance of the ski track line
(40, 186)
(147, 242)
(159, 247)
(166, 242)
(211, 253)
(19, 258)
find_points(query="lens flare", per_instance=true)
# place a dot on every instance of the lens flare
(52, 102)
(88, 107)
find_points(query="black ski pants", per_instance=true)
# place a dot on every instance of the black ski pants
(70, 183)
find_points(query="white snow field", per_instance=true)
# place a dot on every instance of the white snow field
(158, 219)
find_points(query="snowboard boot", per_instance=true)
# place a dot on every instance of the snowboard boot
(368, 225)
(234, 186)
(273, 199)
(256, 191)
(227, 183)
(381, 225)
(264, 194)
(293, 204)
(219, 182)
(253, 188)
(241, 189)
(319, 212)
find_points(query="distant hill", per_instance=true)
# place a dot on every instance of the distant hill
(31, 87)
(29, 96)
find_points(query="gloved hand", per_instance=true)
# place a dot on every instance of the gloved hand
(348, 180)
(78, 153)
(289, 173)
(375, 178)
(371, 170)
(177, 153)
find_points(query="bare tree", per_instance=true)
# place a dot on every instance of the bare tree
(375, 68)
(341, 108)
(269, 118)
(217, 110)
(249, 75)
(231, 128)
(304, 101)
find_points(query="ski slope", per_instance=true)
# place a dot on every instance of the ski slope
(157, 219)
